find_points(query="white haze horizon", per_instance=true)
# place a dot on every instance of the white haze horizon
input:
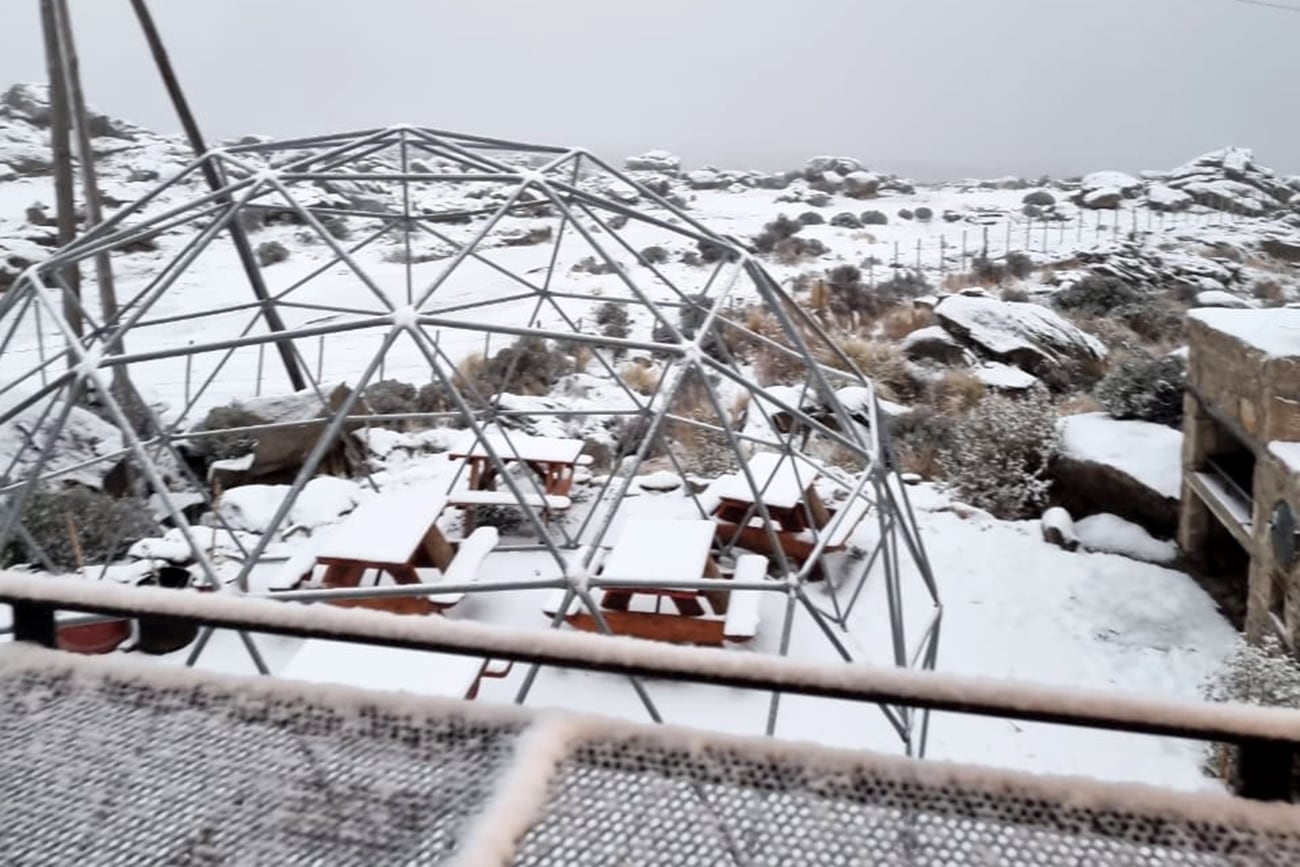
(930, 89)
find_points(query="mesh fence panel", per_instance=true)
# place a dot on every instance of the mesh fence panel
(101, 768)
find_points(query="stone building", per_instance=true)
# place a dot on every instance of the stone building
(1241, 464)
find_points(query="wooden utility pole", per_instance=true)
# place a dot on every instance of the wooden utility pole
(65, 204)
(123, 390)
(288, 354)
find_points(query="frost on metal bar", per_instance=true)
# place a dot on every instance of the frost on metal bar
(452, 263)
(113, 762)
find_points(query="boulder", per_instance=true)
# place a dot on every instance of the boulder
(1107, 189)
(1162, 197)
(1132, 469)
(1030, 336)
(839, 165)
(654, 161)
(861, 185)
(1003, 377)
(933, 343)
(1231, 180)
(1219, 298)
(705, 179)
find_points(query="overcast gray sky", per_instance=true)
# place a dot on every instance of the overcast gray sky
(924, 87)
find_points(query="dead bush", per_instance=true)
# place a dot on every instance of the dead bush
(639, 377)
(902, 321)
(956, 392)
(882, 363)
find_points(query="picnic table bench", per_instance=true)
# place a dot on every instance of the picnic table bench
(655, 549)
(799, 515)
(414, 671)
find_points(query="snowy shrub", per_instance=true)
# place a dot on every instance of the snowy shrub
(433, 397)
(1015, 294)
(1040, 198)
(692, 313)
(998, 456)
(1262, 674)
(873, 218)
(612, 319)
(811, 218)
(919, 439)
(234, 444)
(1155, 321)
(905, 214)
(592, 265)
(923, 213)
(1148, 389)
(336, 226)
(390, 396)
(104, 525)
(1096, 295)
(904, 286)
(508, 520)
(1019, 265)
(271, 252)
(711, 251)
(528, 366)
(846, 220)
(777, 231)
(791, 250)
(1259, 674)
(654, 255)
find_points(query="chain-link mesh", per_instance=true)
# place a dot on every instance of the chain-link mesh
(631, 801)
(118, 773)
(106, 768)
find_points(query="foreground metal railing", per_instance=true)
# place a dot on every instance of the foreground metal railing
(1268, 738)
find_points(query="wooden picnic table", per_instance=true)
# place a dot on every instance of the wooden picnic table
(396, 532)
(553, 459)
(785, 487)
(654, 549)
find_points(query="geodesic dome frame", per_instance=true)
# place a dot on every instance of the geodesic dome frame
(429, 241)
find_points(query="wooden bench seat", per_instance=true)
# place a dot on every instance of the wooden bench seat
(743, 610)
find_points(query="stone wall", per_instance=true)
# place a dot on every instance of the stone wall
(1260, 393)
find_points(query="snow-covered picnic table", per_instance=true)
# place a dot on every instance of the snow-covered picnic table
(649, 551)
(396, 532)
(800, 518)
(553, 459)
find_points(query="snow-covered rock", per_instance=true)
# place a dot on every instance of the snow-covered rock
(1162, 197)
(1111, 534)
(706, 179)
(839, 165)
(1219, 298)
(861, 185)
(1130, 468)
(1032, 337)
(1229, 179)
(1107, 189)
(1004, 377)
(1058, 529)
(933, 343)
(84, 438)
(654, 161)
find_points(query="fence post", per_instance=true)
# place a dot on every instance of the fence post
(1008, 250)
(895, 254)
(918, 255)
(320, 357)
(963, 251)
(189, 370)
(943, 251)
(261, 356)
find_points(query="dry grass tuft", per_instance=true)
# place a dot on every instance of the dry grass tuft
(956, 392)
(639, 377)
(902, 321)
(883, 363)
(1077, 404)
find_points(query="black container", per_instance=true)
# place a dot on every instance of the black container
(160, 635)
